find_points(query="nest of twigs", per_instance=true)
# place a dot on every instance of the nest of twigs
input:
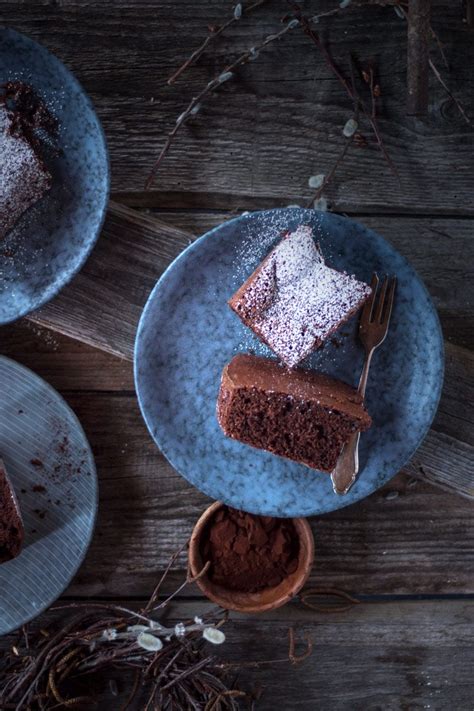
(164, 667)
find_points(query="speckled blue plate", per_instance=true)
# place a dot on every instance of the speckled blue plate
(52, 240)
(187, 334)
(52, 470)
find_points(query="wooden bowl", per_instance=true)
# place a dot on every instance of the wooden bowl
(266, 599)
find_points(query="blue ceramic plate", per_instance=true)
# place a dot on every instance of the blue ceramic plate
(187, 334)
(53, 239)
(52, 470)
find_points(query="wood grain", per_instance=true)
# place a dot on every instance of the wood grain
(393, 656)
(104, 302)
(408, 537)
(279, 121)
(66, 363)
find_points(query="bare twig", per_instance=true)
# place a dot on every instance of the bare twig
(214, 32)
(351, 91)
(306, 596)
(440, 47)
(328, 178)
(449, 93)
(292, 656)
(157, 589)
(227, 73)
(195, 104)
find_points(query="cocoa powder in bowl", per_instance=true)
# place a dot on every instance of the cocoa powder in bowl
(249, 553)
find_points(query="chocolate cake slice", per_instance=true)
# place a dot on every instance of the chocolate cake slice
(24, 178)
(11, 524)
(293, 301)
(298, 414)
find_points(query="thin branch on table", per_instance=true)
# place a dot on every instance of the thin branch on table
(227, 73)
(440, 47)
(350, 601)
(449, 93)
(330, 175)
(195, 103)
(213, 33)
(157, 589)
(351, 91)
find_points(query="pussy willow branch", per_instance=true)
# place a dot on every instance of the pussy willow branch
(213, 34)
(225, 75)
(347, 143)
(351, 91)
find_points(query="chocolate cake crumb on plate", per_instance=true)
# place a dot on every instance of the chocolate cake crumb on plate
(12, 531)
(299, 414)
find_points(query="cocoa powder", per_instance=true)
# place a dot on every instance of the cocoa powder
(249, 553)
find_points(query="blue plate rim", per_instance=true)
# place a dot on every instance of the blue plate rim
(341, 501)
(87, 252)
(95, 509)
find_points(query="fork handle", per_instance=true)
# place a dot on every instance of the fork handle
(347, 466)
(365, 372)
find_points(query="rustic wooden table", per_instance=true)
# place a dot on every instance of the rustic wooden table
(408, 550)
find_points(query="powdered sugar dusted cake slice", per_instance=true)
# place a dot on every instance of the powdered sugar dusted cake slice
(24, 178)
(293, 301)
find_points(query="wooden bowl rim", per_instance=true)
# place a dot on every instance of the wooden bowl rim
(252, 602)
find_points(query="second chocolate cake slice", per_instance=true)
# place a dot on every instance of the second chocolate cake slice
(300, 414)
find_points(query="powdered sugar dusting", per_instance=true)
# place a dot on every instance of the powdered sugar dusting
(295, 301)
(23, 179)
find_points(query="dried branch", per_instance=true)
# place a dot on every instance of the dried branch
(214, 32)
(195, 104)
(351, 90)
(440, 47)
(292, 656)
(449, 93)
(171, 663)
(227, 73)
(306, 596)
(328, 178)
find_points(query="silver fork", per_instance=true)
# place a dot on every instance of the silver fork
(373, 328)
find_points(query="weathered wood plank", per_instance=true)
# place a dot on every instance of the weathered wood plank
(390, 656)
(280, 120)
(406, 538)
(135, 248)
(66, 363)
(104, 302)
